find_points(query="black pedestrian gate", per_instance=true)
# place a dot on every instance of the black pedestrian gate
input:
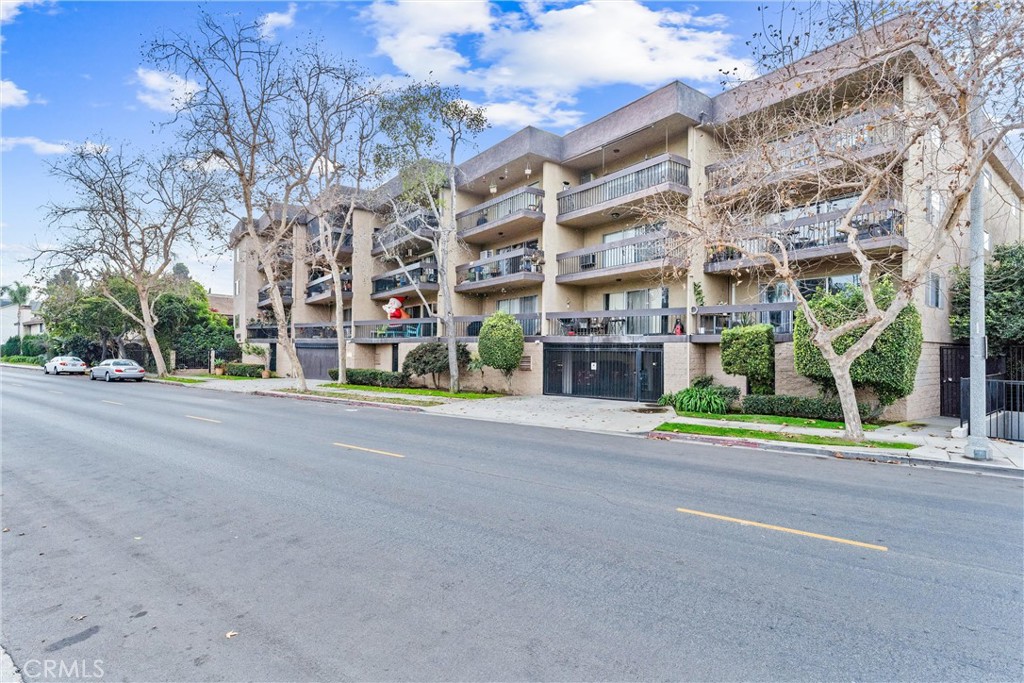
(626, 372)
(954, 365)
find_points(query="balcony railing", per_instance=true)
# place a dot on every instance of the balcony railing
(394, 330)
(469, 325)
(261, 331)
(338, 236)
(500, 265)
(627, 252)
(666, 168)
(885, 219)
(858, 135)
(319, 330)
(325, 285)
(711, 320)
(499, 208)
(632, 322)
(263, 297)
(424, 273)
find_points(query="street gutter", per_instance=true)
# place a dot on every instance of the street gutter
(875, 455)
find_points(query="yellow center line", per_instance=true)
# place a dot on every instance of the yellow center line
(787, 530)
(204, 419)
(368, 450)
(113, 403)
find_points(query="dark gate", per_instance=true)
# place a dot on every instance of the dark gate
(955, 365)
(626, 372)
(317, 360)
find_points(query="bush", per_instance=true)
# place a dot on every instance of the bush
(33, 360)
(700, 400)
(888, 367)
(373, 378)
(501, 344)
(729, 394)
(750, 351)
(431, 358)
(801, 406)
(243, 369)
(702, 381)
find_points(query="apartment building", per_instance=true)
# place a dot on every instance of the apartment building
(548, 231)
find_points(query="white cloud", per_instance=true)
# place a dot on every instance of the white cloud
(12, 96)
(271, 21)
(35, 144)
(9, 9)
(531, 63)
(164, 91)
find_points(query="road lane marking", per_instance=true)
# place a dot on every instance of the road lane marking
(12, 384)
(787, 530)
(204, 419)
(368, 450)
(55, 392)
(113, 403)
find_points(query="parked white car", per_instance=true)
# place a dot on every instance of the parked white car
(58, 365)
(117, 369)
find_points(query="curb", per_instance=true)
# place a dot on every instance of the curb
(343, 401)
(883, 457)
(21, 366)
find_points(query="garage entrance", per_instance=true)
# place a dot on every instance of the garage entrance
(625, 372)
(317, 360)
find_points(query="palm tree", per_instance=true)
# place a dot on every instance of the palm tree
(18, 294)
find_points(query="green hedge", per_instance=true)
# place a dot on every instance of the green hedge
(243, 369)
(373, 378)
(32, 360)
(701, 400)
(431, 358)
(888, 367)
(501, 344)
(800, 406)
(749, 351)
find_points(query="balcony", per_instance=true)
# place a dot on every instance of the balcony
(880, 230)
(319, 331)
(321, 290)
(394, 331)
(263, 296)
(510, 270)
(410, 233)
(711, 320)
(592, 203)
(261, 332)
(404, 281)
(858, 137)
(634, 256)
(340, 244)
(513, 214)
(618, 326)
(467, 327)
(284, 259)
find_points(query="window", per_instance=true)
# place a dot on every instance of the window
(524, 304)
(986, 179)
(656, 297)
(988, 241)
(635, 231)
(935, 205)
(933, 291)
(236, 287)
(778, 292)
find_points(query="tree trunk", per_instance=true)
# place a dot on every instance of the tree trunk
(284, 339)
(339, 322)
(848, 399)
(122, 352)
(149, 323)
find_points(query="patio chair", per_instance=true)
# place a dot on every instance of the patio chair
(413, 330)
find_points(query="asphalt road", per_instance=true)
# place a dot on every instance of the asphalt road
(168, 517)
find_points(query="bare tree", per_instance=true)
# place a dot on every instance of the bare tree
(882, 120)
(130, 216)
(334, 122)
(425, 124)
(237, 121)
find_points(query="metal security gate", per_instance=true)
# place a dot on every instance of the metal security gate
(626, 372)
(317, 360)
(955, 365)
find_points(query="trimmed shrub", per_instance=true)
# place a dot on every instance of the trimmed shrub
(702, 381)
(33, 360)
(750, 351)
(372, 378)
(729, 394)
(431, 358)
(243, 369)
(801, 406)
(888, 367)
(501, 344)
(700, 400)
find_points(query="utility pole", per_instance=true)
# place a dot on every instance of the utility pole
(978, 447)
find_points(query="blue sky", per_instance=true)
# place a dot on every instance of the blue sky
(73, 71)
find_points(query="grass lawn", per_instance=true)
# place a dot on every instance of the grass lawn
(376, 399)
(775, 420)
(708, 430)
(182, 380)
(416, 391)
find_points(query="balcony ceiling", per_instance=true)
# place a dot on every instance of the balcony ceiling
(505, 283)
